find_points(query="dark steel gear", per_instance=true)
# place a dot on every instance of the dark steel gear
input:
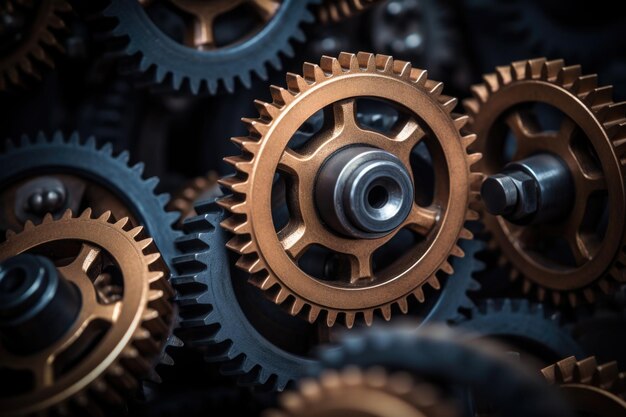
(168, 61)
(88, 322)
(449, 358)
(526, 326)
(553, 146)
(27, 35)
(592, 389)
(83, 161)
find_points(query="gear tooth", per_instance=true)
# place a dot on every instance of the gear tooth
(135, 231)
(534, 68)
(233, 204)
(296, 83)
(386, 312)
(589, 295)
(268, 111)
(368, 317)
(448, 103)
(504, 75)
(526, 286)
(123, 157)
(551, 70)
(419, 295)
(247, 143)
(507, 306)
(86, 214)
(264, 282)
(599, 97)
(584, 370)
(233, 183)
(460, 120)
(457, 251)
(605, 286)
(250, 264)
(152, 258)
(613, 115)
(281, 96)
(261, 72)
(296, 306)
(246, 80)
(313, 313)
(233, 225)
(518, 70)
(144, 243)
(256, 126)
(573, 299)
(386, 64)
(584, 84)
(367, 61)
(606, 374)
(104, 217)
(67, 214)
(556, 298)
(492, 82)
(348, 62)
(281, 296)
(331, 318)
(568, 75)
(403, 305)
(480, 92)
(312, 72)
(299, 36)
(466, 234)
(472, 106)
(240, 163)
(155, 276)
(121, 223)
(349, 319)
(330, 65)
(241, 244)
(435, 88)
(447, 268)
(229, 84)
(541, 294)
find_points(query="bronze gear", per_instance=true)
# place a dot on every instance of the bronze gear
(269, 255)
(33, 48)
(356, 393)
(595, 160)
(336, 10)
(205, 13)
(139, 315)
(592, 389)
(197, 189)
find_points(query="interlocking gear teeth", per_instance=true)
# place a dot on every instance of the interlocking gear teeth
(583, 92)
(592, 388)
(138, 353)
(199, 188)
(337, 10)
(521, 321)
(204, 72)
(34, 49)
(244, 222)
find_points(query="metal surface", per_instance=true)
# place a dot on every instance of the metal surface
(590, 143)
(124, 320)
(198, 189)
(592, 389)
(271, 257)
(180, 66)
(371, 392)
(363, 192)
(20, 59)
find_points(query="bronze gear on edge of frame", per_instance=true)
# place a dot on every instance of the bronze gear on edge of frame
(360, 393)
(592, 389)
(270, 255)
(590, 143)
(121, 328)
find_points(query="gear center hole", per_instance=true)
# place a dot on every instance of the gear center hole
(377, 196)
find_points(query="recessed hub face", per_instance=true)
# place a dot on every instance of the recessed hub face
(363, 192)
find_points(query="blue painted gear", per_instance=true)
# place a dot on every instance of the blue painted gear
(176, 64)
(57, 154)
(526, 325)
(215, 321)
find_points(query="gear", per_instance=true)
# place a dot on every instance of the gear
(199, 188)
(592, 389)
(337, 10)
(168, 61)
(25, 40)
(355, 392)
(92, 177)
(526, 326)
(571, 177)
(448, 358)
(352, 227)
(119, 283)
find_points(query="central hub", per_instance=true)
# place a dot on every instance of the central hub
(363, 192)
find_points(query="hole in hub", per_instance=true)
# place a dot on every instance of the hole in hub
(12, 279)
(377, 196)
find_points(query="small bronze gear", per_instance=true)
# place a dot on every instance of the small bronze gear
(123, 323)
(372, 392)
(592, 389)
(271, 256)
(590, 142)
(197, 189)
(22, 56)
(337, 10)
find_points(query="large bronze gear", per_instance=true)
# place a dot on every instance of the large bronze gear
(590, 141)
(34, 47)
(139, 316)
(337, 10)
(269, 255)
(371, 392)
(592, 389)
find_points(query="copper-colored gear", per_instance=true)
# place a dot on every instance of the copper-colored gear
(195, 190)
(591, 388)
(33, 48)
(271, 257)
(139, 315)
(592, 143)
(337, 10)
(205, 13)
(372, 392)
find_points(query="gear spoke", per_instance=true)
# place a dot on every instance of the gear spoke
(422, 220)
(79, 267)
(295, 239)
(361, 267)
(522, 124)
(410, 134)
(291, 162)
(341, 115)
(107, 312)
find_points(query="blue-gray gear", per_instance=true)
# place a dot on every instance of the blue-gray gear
(527, 326)
(175, 63)
(214, 320)
(57, 154)
(447, 357)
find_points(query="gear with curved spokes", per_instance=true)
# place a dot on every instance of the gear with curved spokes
(27, 36)
(357, 393)
(355, 211)
(109, 276)
(198, 59)
(553, 146)
(592, 389)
